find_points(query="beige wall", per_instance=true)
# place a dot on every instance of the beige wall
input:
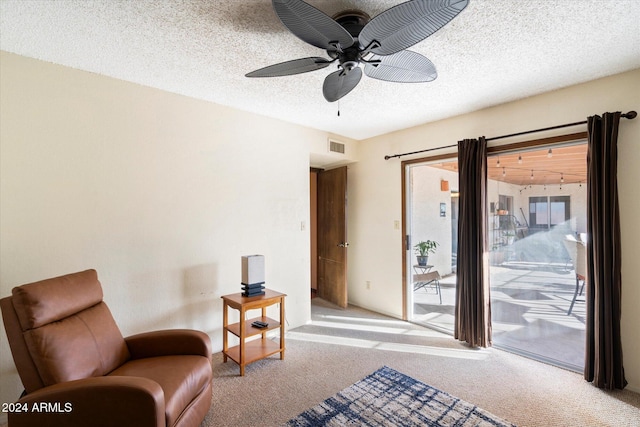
(162, 194)
(375, 191)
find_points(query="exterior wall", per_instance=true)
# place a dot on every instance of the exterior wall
(427, 224)
(521, 195)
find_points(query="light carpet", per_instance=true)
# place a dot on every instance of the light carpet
(390, 398)
(342, 346)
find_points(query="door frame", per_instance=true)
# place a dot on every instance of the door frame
(406, 244)
(332, 255)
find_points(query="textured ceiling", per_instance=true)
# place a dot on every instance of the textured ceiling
(495, 51)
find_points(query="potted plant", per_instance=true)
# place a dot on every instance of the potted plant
(423, 249)
(511, 237)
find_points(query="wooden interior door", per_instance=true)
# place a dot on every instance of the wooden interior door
(313, 228)
(332, 236)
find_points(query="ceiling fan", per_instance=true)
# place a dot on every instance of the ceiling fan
(354, 40)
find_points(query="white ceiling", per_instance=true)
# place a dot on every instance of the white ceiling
(495, 51)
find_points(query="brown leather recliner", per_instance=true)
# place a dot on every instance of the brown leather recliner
(78, 370)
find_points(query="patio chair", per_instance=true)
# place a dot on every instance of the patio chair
(423, 280)
(578, 254)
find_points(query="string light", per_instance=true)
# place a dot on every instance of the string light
(545, 173)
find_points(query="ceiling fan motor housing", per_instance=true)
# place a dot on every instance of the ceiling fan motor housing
(353, 21)
(349, 58)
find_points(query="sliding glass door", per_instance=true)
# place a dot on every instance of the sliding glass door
(537, 209)
(431, 218)
(537, 201)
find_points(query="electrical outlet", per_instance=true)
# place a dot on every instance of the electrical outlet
(303, 226)
(368, 284)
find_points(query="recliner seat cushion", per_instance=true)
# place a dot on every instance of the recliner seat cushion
(182, 378)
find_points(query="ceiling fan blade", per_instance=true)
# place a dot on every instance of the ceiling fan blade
(340, 83)
(403, 67)
(297, 66)
(312, 25)
(408, 23)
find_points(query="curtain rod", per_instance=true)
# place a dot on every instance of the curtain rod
(630, 115)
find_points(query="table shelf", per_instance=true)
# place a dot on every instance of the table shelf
(250, 331)
(248, 351)
(254, 350)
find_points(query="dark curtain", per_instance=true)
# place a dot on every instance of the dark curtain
(603, 358)
(473, 310)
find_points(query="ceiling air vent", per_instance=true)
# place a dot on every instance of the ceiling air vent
(336, 147)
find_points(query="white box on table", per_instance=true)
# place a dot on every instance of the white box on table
(252, 269)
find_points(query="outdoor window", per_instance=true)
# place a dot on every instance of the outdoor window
(545, 212)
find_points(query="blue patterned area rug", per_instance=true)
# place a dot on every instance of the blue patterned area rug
(390, 398)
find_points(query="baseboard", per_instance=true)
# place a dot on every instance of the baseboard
(633, 388)
(376, 310)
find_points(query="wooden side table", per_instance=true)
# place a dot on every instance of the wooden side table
(250, 351)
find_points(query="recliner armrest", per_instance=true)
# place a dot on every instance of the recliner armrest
(169, 342)
(96, 401)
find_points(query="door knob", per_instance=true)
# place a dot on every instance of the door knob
(343, 245)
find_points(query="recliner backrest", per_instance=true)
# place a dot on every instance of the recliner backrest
(66, 328)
